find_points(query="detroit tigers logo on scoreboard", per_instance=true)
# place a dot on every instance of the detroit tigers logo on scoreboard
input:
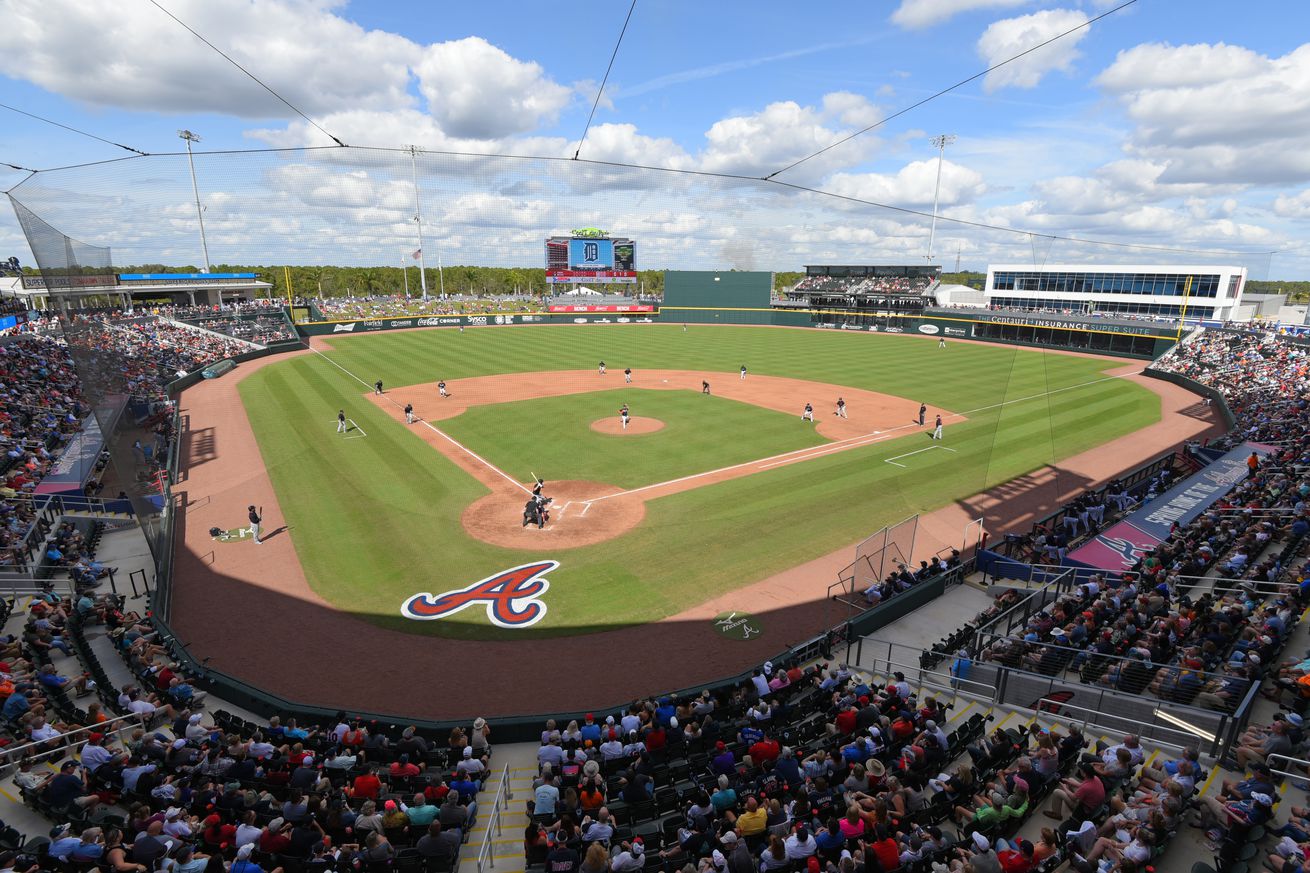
(511, 597)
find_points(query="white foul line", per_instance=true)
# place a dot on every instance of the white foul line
(855, 442)
(490, 466)
(893, 460)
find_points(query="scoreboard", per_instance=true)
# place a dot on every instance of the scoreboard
(590, 256)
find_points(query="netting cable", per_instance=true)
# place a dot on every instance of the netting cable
(253, 77)
(73, 130)
(604, 79)
(931, 97)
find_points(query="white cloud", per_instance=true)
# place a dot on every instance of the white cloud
(1008, 37)
(478, 91)
(132, 56)
(1293, 205)
(912, 185)
(1216, 113)
(915, 14)
(783, 132)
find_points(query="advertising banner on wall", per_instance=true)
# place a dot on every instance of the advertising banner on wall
(1120, 546)
(613, 307)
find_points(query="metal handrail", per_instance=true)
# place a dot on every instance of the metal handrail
(100, 728)
(504, 794)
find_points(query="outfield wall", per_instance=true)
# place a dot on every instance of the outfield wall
(1145, 342)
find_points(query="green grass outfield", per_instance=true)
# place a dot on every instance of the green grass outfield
(553, 436)
(1026, 409)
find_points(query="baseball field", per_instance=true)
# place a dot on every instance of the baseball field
(703, 494)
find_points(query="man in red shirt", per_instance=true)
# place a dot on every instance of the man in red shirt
(1018, 860)
(403, 769)
(764, 749)
(367, 785)
(1082, 797)
(844, 724)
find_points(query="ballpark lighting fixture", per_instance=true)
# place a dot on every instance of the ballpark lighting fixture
(1186, 725)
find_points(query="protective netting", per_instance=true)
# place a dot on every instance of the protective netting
(121, 382)
(878, 556)
(357, 206)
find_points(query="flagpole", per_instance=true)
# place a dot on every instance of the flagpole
(418, 220)
(441, 277)
(404, 271)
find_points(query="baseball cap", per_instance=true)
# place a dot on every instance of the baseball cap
(981, 842)
(730, 837)
(96, 738)
(1262, 799)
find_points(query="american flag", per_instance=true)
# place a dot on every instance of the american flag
(417, 254)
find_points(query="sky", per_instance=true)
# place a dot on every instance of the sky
(1165, 126)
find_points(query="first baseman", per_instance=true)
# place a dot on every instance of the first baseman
(441, 388)
(409, 413)
(937, 429)
(341, 421)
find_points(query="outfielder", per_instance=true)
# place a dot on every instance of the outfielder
(623, 415)
(441, 388)
(941, 342)
(341, 421)
(808, 414)
(841, 408)
(937, 429)
(409, 413)
(627, 374)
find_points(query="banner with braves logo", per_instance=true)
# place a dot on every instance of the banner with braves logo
(1117, 548)
(1122, 545)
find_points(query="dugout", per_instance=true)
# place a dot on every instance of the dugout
(717, 297)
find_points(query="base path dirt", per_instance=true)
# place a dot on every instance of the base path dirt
(249, 611)
(636, 425)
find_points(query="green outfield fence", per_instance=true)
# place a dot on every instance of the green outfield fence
(1144, 341)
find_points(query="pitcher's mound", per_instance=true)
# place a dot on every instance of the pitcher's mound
(636, 425)
(498, 517)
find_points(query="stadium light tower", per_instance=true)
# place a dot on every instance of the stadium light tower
(418, 220)
(941, 141)
(195, 190)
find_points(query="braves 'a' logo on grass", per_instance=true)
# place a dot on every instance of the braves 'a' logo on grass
(511, 597)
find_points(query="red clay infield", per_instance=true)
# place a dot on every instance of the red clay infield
(251, 612)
